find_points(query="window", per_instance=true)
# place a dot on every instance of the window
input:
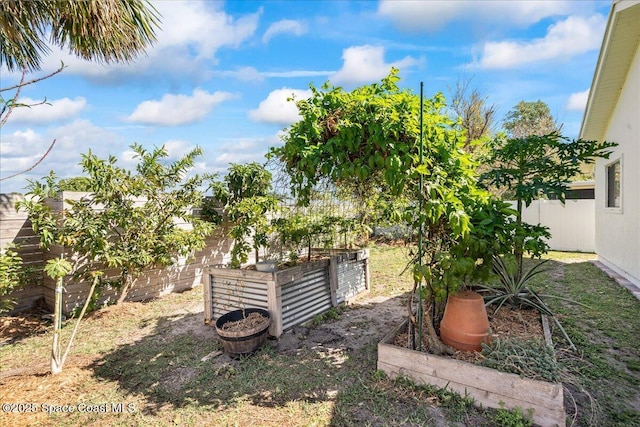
(613, 185)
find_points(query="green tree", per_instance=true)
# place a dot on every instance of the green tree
(367, 141)
(130, 222)
(530, 118)
(105, 30)
(245, 194)
(535, 166)
(76, 183)
(11, 275)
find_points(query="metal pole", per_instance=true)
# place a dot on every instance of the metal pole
(420, 206)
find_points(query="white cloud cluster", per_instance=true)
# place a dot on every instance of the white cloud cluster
(202, 26)
(175, 110)
(577, 101)
(366, 64)
(277, 109)
(23, 148)
(284, 26)
(433, 15)
(56, 110)
(190, 32)
(573, 36)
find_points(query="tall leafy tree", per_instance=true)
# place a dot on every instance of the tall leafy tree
(245, 193)
(130, 222)
(530, 118)
(104, 31)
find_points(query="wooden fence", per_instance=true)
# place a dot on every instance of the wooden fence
(15, 228)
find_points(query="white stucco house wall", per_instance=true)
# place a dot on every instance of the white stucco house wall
(613, 114)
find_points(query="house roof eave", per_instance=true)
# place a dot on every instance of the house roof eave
(619, 45)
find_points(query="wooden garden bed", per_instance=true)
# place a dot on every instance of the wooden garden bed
(488, 387)
(293, 295)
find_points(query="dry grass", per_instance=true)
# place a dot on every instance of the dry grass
(160, 358)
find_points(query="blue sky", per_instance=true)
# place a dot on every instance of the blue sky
(220, 73)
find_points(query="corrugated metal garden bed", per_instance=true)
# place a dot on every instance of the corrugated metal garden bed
(293, 295)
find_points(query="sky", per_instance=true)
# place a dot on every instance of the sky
(220, 74)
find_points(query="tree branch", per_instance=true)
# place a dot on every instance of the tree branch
(24, 72)
(32, 167)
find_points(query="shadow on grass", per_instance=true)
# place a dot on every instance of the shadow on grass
(332, 365)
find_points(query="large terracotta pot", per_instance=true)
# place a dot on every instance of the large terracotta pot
(465, 324)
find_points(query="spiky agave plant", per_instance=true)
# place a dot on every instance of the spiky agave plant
(514, 289)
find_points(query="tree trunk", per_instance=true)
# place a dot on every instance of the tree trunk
(127, 280)
(518, 250)
(57, 361)
(435, 345)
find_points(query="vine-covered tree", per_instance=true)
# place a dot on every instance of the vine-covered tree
(131, 221)
(367, 141)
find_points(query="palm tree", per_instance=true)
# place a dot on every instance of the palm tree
(101, 30)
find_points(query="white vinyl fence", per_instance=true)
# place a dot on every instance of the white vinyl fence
(572, 225)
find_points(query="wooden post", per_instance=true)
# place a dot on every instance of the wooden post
(274, 302)
(333, 280)
(206, 289)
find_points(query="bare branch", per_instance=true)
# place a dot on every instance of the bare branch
(36, 80)
(12, 103)
(32, 167)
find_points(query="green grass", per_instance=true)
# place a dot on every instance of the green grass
(151, 355)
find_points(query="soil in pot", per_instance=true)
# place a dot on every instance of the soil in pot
(243, 331)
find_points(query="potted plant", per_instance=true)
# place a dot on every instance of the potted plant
(243, 331)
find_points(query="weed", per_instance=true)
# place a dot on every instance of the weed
(532, 358)
(514, 418)
(332, 314)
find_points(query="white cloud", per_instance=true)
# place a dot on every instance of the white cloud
(240, 150)
(174, 110)
(573, 36)
(296, 73)
(54, 110)
(366, 64)
(22, 149)
(244, 74)
(276, 109)
(198, 26)
(251, 74)
(435, 14)
(191, 33)
(285, 26)
(577, 101)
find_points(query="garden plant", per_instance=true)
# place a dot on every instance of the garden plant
(368, 143)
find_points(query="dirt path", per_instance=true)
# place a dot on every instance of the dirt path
(363, 323)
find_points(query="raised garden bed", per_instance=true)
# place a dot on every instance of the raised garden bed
(488, 387)
(293, 295)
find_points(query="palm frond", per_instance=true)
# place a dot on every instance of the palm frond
(104, 31)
